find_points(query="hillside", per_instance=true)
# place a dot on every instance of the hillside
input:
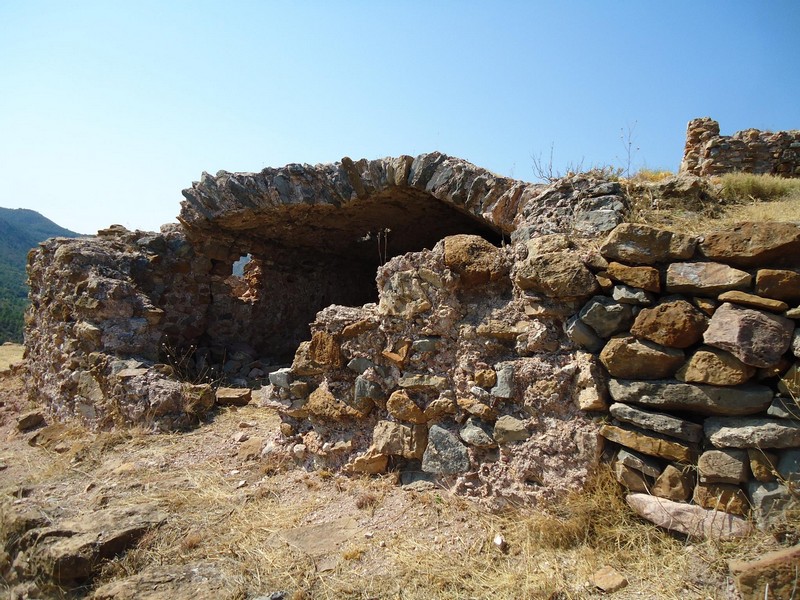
(20, 230)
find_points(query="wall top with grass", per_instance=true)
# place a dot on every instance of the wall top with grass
(750, 151)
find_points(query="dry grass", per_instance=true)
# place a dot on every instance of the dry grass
(746, 187)
(10, 354)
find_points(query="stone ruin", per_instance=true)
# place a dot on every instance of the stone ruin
(708, 153)
(425, 316)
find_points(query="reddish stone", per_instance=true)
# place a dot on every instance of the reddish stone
(676, 324)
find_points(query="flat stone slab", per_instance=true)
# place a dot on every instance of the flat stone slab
(660, 423)
(688, 519)
(704, 399)
(754, 432)
(653, 445)
(753, 301)
(705, 278)
(233, 396)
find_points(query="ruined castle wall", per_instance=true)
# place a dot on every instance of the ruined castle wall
(749, 151)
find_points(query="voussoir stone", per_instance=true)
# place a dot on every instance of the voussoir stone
(629, 358)
(646, 278)
(705, 278)
(688, 519)
(703, 399)
(605, 316)
(676, 324)
(715, 367)
(756, 338)
(753, 432)
(556, 275)
(658, 422)
(644, 245)
(779, 284)
(755, 244)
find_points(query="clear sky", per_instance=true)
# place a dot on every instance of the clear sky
(108, 109)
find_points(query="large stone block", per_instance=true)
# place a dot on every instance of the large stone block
(556, 275)
(756, 338)
(606, 316)
(474, 259)
(779, 284)
(445, 454)
(646, 278)
(644, 245)
(705, 278)
(651, 444)
(715, 367)
(723, 466)
(658, 422)
(676, 324)
(629, 358)
(755, 245)
(704, 399)
(754, 432)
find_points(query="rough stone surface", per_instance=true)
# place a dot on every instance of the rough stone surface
(233, 396)
(626, 294)
(644, 245)
(646, 278)
(510, 429)
(723, 466)
(609, 579)
(631, 479)
(755, 245)
(706, 278)
(731, 432)
(445, 454)
(584, 336)
(606, 316)
(773, 575)
(650, 444)
(779, 284)
(395, 439)
(715, 367)
(703, 399)
(476, 435)
(474, 259)
(646, 465)
(694, 521)
(770, 502)
(674, 484)
(658, 422)
(722, 496)
(762, 464)
(403, 408)
(630, 358)
(556, 275)
(754, 337)
(676, 324)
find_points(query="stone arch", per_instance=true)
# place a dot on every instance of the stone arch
(320, 232)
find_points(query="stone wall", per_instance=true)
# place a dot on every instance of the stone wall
(749, 151)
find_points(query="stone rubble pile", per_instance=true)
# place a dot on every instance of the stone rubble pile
(750, 151)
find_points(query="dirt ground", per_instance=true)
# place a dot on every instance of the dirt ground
(243, 524)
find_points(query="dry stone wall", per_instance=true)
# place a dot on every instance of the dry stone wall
(750, 151)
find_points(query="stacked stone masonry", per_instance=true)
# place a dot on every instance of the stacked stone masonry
(750, 151)
(496, 349)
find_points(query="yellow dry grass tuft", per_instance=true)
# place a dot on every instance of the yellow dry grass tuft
(10, 353)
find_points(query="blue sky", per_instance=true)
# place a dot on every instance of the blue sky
(108, 109)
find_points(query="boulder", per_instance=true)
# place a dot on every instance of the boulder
(629, 358)
(693, 521)
(753, 432)
(723, 466)
(714, 367)
(754, 337)
(644, 245)
(676, 324)
(445, 454)
(556, 275)
(755, 244)
(703, 399)
(772, 575)
(705, 278)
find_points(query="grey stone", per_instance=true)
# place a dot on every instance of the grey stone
(425, 344)
(360, 364)
(723, 466)
(365, 390)
(768, 501)
(606, 316)
(598, 221)
(661, 423)
(694, 521)
(475, 435)
(625, 294)
(504, 388)
(784, 408)
(634, 460)
(510, 429)
(704, 399)
(445, 454)
(705, 278)
(754, 337)
(789, 465)
(583, 335)
(754, 432)
(281, 378)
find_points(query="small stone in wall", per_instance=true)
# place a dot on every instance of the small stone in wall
(510, 429)
(658, 422)
(753, 301)
(629, 358)
(723, 466)
(485, 378)
(756, 338)
(474, 259)
(762, 464)
(714, 367)
(583, 335)
(674, 484)
(645, 245)
(676, 324)
(556, 275)
(606, 316)
(752, 432)
(722, 496)
(445, 454)
(779, 284)
(403, 408)
(504, 388)
(651, 444)
(626, 294)
(645, 278)
(631, 479)
(646, 465)
(475, 434)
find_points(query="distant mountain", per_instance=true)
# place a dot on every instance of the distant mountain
(20, 230)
